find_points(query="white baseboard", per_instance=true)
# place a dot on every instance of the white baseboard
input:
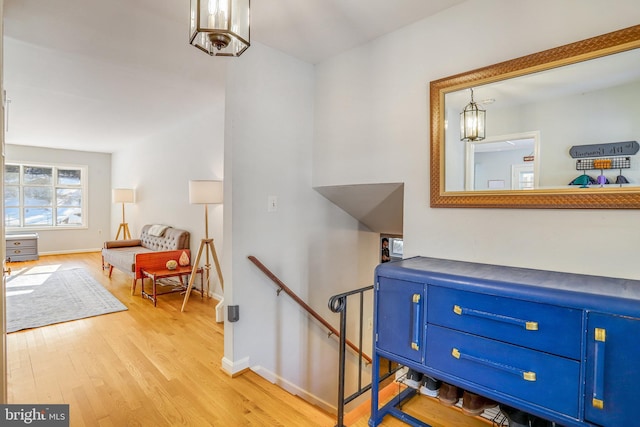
(232, 368)
(69, 251)
(220, 311)
(294, 389)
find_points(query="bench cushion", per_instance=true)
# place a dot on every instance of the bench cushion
(123, 258)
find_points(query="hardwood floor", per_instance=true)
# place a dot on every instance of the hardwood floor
(143, 367)
(423, 408)
(158, 367)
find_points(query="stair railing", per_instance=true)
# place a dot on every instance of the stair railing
(305, 306)
(338, 304)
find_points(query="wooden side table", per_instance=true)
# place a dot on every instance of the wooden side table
(157, 273)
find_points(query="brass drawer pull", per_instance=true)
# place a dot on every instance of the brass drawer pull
(525, 375)
(416, 326)
(600, 339)
(526, 324)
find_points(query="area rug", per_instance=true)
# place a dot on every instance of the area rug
(38, 296)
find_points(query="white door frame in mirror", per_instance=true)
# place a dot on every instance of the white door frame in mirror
(473, 146)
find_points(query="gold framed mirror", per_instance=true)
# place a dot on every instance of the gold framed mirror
(449, 185)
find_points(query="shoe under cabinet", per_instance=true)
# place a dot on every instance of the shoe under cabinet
(562, 347)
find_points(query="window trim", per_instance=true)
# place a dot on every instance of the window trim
(84, 186)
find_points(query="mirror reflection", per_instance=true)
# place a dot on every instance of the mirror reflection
(532, 121)
(508, 162)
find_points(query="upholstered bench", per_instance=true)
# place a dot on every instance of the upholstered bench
(121, 254)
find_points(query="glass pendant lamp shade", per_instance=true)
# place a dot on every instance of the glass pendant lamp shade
(472, 122)
(220, 27)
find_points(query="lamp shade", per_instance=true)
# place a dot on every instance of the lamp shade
(122, 195)
(205, 192)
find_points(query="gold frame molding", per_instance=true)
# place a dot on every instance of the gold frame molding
(570, 198)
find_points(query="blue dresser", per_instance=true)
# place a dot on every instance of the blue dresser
(564, 347)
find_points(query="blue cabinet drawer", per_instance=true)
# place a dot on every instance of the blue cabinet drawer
(535, 377)
(549, 328)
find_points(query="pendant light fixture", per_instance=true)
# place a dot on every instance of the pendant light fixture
(472, 122)
(220, 27)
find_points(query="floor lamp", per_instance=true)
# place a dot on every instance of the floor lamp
(206, 193)
(122, 195)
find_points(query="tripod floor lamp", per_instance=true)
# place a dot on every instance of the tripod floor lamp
(206, 193)
(122, 195)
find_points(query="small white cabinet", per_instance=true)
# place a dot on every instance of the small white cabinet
(22, 247)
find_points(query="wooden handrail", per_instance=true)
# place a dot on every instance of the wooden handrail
(304, 305)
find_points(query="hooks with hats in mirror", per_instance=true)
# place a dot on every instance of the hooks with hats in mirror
(601, 164)
(603, 157)
(604, 163)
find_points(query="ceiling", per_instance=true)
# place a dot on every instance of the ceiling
(596, 74)
(99, 75)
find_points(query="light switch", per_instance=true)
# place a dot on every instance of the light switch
(272, 204)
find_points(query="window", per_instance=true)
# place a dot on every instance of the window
(391, 248)
(396, 247)
(44, 196)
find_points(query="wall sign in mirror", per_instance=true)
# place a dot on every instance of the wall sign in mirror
(537, 108)
(624, 148)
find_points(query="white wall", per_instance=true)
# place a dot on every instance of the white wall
(99, 197)
(314, 247)
(159, 170)
(372, 125)
(496, 165)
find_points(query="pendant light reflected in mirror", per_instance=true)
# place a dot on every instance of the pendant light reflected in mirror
(472, 122)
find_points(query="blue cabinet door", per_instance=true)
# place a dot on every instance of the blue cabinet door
(400, 318)
(612, 370)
